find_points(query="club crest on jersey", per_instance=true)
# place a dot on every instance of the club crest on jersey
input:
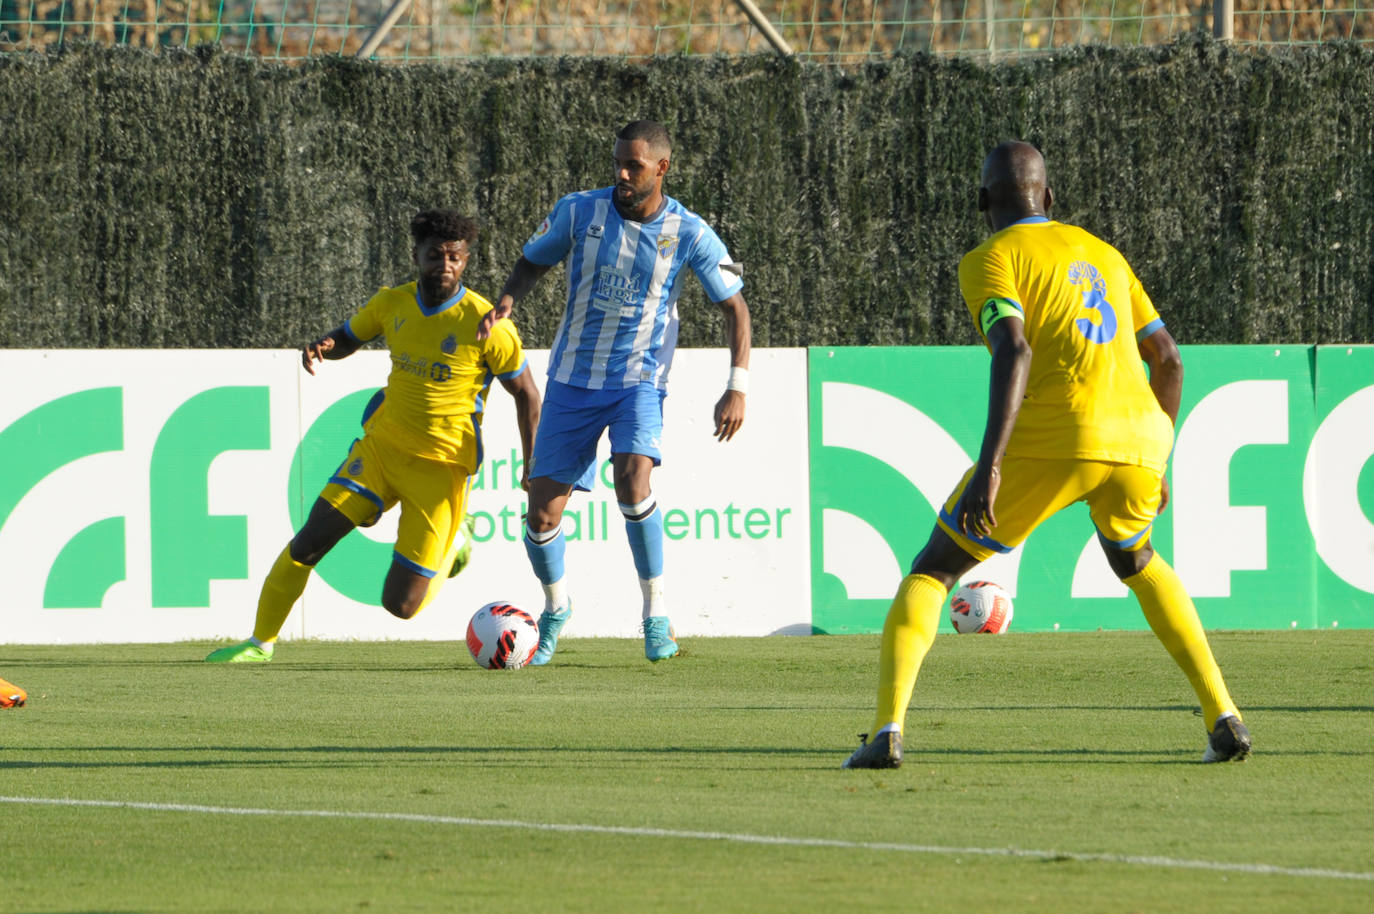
(449, 345)
(595, 231)
(355, 467)
(666, 245)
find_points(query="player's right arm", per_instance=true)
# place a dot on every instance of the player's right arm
(549, 244)
(989, 289)
(1011, 358)
(336, 344)
(523, 277)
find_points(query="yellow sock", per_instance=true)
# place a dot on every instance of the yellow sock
(1174, 620)
(908, 634)
(284, 585)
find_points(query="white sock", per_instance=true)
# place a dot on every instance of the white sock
(652, 589)
(888, 728)
(556, 596)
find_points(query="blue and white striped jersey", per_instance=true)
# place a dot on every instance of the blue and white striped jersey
(621, 322)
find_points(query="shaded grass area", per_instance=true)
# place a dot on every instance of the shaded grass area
(1080, 748)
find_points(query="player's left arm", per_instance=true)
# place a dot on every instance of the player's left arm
(729, 413)
(526, 394)
(1160, 354)
(1011, 358)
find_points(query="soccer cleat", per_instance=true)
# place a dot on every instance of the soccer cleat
(1229, 742)
(11, 696)
(659, 641)
(464, 554)
(550, 624)
(885, 751)
(243, 652)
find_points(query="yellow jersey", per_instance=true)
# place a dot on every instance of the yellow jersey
(1084, 310)
(441, 373)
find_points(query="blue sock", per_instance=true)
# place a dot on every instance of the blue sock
(646, 543)
(546, 558)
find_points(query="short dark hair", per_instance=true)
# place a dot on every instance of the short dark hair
(444, 224)
(651, 132)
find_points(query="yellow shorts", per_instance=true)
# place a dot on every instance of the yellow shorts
(433, 497)
(1123, 500)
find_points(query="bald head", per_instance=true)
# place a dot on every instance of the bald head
(1014, 184)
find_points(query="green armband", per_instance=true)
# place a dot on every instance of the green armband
(994, 309)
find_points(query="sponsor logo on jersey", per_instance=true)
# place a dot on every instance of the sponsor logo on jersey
(614, 291)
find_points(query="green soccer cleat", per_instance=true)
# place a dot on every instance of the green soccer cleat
(244, 652)
(1228, 742)
(659, 642)
(884, 751)
(464, 554)
(550, 624)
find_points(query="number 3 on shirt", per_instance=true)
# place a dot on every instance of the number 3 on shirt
(1085, 274)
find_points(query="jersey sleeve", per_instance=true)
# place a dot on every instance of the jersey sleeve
(553, 239)
(367, 324)
(504, 353)
(989, 289)
(720, 276)
(1145, 320)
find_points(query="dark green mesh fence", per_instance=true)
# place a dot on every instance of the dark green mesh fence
(206, 200)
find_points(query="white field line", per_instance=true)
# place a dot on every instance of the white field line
(1263, 869)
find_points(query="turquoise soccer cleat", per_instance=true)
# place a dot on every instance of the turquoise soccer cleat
(550, 624)
(243, 652)
(659, 642)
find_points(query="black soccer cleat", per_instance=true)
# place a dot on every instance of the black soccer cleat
(1229, 742)
(885, 751)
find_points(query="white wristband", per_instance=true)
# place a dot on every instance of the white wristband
(739, 379)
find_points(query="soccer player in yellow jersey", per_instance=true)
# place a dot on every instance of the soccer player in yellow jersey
(421, 444)
(1072, 416)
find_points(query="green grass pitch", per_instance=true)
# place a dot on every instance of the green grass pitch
(1054, 772)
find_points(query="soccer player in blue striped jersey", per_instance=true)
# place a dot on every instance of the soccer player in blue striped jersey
(628, 248)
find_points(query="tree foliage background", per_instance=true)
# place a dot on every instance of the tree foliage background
(199, 199)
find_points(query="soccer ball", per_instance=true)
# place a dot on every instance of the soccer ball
(502, 636)
(980, 607)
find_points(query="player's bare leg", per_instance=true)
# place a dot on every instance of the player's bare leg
(285, 583)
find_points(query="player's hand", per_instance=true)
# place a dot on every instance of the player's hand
(499, 310)
(974, 514)
(1163, 494)
(314, 352)
(729, 414)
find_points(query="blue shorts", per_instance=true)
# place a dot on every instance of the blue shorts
(573, 418)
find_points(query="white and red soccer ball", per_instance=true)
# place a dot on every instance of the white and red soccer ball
(502, 636)
(980, 607)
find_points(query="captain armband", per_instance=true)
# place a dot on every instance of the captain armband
(994, 309)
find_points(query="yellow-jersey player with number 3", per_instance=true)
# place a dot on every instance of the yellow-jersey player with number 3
(422, 437)
(1072, 416)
